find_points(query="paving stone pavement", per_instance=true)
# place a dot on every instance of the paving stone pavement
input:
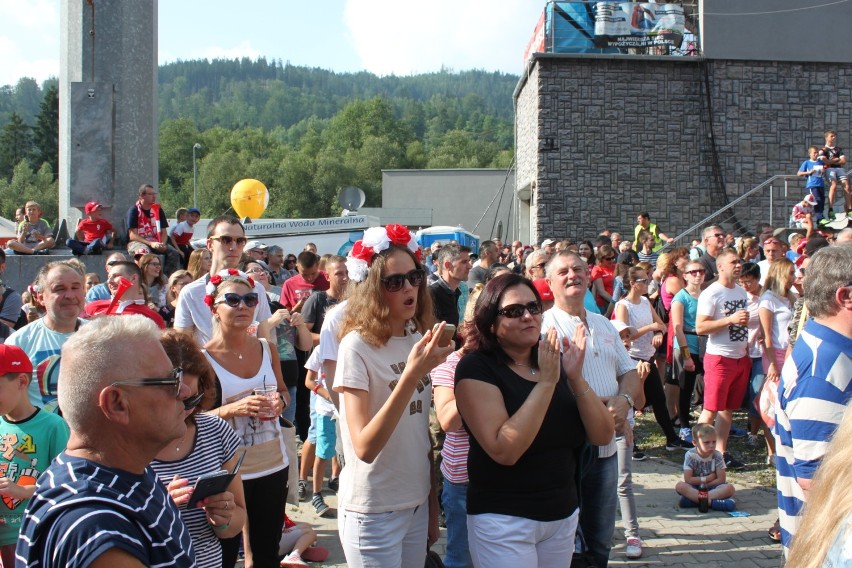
(673, 537)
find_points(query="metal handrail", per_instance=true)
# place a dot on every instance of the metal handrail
(756, 189)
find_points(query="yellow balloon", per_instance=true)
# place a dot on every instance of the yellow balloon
(249, 198)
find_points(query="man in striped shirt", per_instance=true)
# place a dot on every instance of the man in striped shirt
(816, 383)
(99, 503)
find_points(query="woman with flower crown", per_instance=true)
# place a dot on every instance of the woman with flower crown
(243, 363)
(388, 508)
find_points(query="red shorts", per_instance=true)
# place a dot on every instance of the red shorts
(725, 382)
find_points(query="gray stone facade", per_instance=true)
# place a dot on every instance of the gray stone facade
(600, 138)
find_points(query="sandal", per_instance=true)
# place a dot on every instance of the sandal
(775, 532)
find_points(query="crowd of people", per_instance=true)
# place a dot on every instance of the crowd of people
(495, 388)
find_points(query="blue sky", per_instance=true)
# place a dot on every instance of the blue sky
(381, 36)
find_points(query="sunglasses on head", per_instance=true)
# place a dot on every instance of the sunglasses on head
(513, 311)
(395, 282)
(228, 241)
(233, 299)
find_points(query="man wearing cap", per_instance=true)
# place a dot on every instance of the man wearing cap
(453, 269)
(100, 503)
(147, 229)
(256, 250)
(60, 289)
(548, 246)
(181, 235)
(93, 234)
(488, 254)
(130, 301)
(611, 374)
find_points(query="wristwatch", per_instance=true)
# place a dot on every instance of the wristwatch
(628, 397)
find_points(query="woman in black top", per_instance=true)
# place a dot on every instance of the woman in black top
(528, 411)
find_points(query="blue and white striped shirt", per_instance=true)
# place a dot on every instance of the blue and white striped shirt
(815, 388)
(82, 509)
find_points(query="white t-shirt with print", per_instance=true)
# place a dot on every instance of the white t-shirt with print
(718, 302)
(399, 476)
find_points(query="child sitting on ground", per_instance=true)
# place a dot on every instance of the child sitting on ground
(704, 465)
(93, 234)
(298, 543)
(34, 235)
(31, 437)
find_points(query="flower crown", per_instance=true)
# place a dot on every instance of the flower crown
(216, 279)
(374, 241)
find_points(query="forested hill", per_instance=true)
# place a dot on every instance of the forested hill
(235, 93)
(304, 132)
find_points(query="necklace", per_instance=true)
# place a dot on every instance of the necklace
(530, 367)
(182, 439)
(239, 355)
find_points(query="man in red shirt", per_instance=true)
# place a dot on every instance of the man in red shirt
(132, 301)
(94, 233)
(298, 288)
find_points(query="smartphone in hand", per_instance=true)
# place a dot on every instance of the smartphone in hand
(213, 483)
(447, 335)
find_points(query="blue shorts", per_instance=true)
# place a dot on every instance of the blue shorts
(312, 429)
(326, 437)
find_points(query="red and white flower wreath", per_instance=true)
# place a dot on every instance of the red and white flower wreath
(216, 279)
(376, 240)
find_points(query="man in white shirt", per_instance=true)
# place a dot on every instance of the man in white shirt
(723, 317)
(226, 239)
(612, 375)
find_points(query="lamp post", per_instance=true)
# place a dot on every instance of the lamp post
(195, 147)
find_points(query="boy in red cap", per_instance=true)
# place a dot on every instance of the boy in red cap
(93, 233)
(31, 439)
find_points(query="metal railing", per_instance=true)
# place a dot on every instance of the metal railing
(776, 203)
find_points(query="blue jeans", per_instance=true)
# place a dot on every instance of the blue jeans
(454, 502)
(598, 499)
(290, 411)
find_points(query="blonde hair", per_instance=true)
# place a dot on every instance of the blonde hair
(194, 264)
(745, 244)
(367, 312)
(778, 279)
(829, 501)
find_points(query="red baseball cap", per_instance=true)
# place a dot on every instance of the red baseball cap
(91, 206)
(13, 359)
(543, 289)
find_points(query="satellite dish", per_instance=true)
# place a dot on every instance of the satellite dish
(351, 198)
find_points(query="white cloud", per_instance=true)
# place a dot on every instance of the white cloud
(29, 43)
(406, 37)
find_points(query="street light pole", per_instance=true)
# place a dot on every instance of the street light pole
(195, 147)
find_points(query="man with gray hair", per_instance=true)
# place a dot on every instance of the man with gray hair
(535, 263)
(816, 383)
(844, 236)
(275, 261)
(713, 239)
(100, 503)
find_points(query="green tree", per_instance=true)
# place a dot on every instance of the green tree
(27, 185)
(16, 144)
(46, 130)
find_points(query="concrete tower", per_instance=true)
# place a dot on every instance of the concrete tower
(107, 105)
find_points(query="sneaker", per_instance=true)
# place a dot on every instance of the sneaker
(638, 454)
(677, 444)
(334, 484)
(723, 505)
(634, 548)
(685, 434)
(293, 560)
(320, 507)
(733, 463)
(830, 214)
(737, 432)
(303, 489)
(753, 440)
(685, 503)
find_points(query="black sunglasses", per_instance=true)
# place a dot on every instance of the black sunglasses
(228, 241)
(233, 300)
(174, 380)
(517, 310)
(395, 282)
(696, 272)
(193, 401)
(608, 258)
